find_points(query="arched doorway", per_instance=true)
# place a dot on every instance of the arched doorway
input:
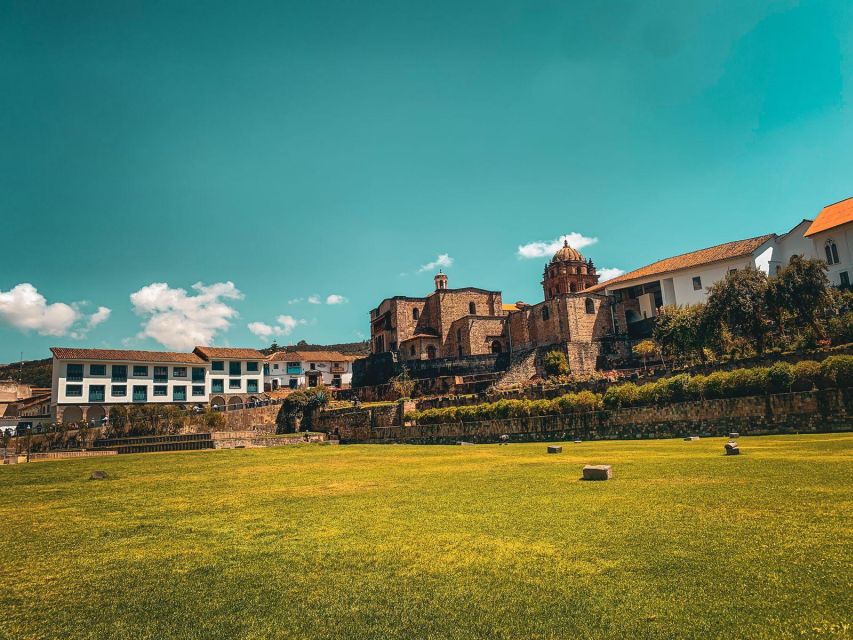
(235, 403)
(497, 347)
(71, 415)
(430, 352)
(217, 402)
(95, 415)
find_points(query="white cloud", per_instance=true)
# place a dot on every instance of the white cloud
(295, 300)
(284, 327)
(334, 298)
(24, 308)
(547, 249)
(179, 320)
(442, 260)
(315, 299)
(608, 273)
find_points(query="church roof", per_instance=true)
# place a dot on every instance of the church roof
(567, 253)
(719, 252)
(832, 216)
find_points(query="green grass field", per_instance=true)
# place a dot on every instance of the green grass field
(435, 542)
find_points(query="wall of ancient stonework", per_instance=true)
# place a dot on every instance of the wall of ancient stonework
(255, 419)
(347, 420)
(808, 411)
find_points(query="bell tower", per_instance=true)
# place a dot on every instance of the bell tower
(440, 281)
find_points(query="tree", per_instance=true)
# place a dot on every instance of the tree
(800, 291)
(555, 363)
(644, 349)
(739, 303)
(403, 384)
(684, 331)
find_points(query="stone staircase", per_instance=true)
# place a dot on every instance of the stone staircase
(522, 368)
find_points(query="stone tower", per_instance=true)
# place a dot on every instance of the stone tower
(568, 272)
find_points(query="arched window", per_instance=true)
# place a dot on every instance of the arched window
(546, 313)
(431, 352)
(472, 308)
(590, 305)
(496, 346)
(412, 350)
(831, 250)
(415, 313)
(577, 270)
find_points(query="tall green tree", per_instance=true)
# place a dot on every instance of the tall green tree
(800, 292)
(683, 332)
(739, 303)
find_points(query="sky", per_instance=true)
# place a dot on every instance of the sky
(233, 173)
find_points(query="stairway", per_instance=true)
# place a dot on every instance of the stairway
(522, 367)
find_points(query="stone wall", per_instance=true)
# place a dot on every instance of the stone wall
(808, 411)
(254, 419)
(348, 419)
(378, 369)
(254, 439)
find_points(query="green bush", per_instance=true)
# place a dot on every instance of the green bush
(840, 329)
(838, 370)
(780, 377)
(807, 375)
(714, 384)
(555, 363)
(622, 395)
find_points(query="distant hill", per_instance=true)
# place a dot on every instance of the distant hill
(34, 372)
(348, 348)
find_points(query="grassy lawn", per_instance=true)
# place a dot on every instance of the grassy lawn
(435, 542)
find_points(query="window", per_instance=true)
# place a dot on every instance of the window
(831, 250)
(74, 372)
(294, 367)
(140, 370)
(431, 352)
(217, 365)
(734, 270)
(179, 393)
(161, 390)
(336, 381)
(234, 368)
(252, 367)
(590, 305)
(96, 392)
(234, 383)
(198, 374)
(573, 287)
(74, 390)
(459, 335)
(472, 308)
(266, 369)
(97, 369)
(415, 313)
(275, 366)
(140, 393)
(546, 313)
(217, 386)
(179, 372)
(292, 383)
(412, 350)
(697, 283)
(161, 374)
(119, 373)
(198, 390)
(845, 279)
(119, 390)
(313, 366)
(251, 386)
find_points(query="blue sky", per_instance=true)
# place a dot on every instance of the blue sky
(274, 152)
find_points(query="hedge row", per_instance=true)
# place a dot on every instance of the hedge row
(581, 402)
(835, 371)
(779, 378)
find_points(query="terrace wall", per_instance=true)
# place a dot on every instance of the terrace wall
(808, 411)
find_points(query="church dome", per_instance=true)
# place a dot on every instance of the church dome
(567, 253)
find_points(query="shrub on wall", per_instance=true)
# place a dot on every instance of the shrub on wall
(807, 375)
(838, 370)
(555, 363)
(780, 377)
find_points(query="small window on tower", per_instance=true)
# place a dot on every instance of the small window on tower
(590, 305)
(415, 313)
(697, 283)
(546, 313)
(472, 308)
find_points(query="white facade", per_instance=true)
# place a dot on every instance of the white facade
(86, 382)
(306, 369)
(834, 246)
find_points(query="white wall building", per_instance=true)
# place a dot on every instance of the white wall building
(307, 369)
(86, 382)
(831, 236)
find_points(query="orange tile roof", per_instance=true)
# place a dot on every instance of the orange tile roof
(312, 356)
(717, 253)
(229, 352)
(832, 216)
(69, 353)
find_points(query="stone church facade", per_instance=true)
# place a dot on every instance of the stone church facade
(459, 323)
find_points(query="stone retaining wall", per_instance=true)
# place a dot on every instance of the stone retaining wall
(254, 439)
(808, 411)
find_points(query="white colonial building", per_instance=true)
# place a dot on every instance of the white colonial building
(306, 369)
(87, 382)
(831, 238)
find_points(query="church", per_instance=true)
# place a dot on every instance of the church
(468, 321)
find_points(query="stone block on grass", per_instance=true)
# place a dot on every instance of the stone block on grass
(555, 449)
(597, 472)
(98, 475)
(732, 449)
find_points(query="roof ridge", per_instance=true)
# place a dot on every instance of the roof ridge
(713, 246)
